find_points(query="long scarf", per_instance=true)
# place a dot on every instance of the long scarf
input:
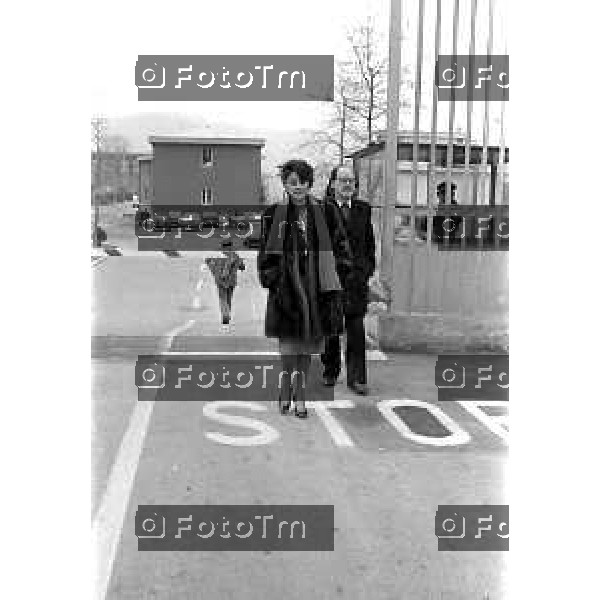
(328, 278)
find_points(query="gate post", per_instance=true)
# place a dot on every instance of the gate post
(391, 150)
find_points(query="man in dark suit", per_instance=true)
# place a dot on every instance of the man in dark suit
(342, 192)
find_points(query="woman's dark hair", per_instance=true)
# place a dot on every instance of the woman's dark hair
(305, 172)
(330, 192)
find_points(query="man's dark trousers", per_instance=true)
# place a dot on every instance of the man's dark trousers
(355, 352)
(356, 293)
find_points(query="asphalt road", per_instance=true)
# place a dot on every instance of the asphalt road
(385, 476)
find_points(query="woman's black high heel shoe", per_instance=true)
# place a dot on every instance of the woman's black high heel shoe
(284, 409)
(301, 414)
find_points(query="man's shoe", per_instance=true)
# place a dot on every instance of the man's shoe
(329, 381)
(359, 388)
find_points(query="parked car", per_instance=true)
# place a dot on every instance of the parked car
(190, 221)
(240, 224)
(130, 208)
(253, 239)
(210, 219)
(253, 216)
(101, 235)
(144, 212)
(173, 219)
(112, 249)
(235, 219)
(97, 254)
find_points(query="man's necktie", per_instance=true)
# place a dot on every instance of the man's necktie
(346, 211)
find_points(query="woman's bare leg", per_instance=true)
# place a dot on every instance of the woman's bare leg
(300, 380)
(288, 365)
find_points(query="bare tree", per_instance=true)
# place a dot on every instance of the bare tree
(363, 77)
(98, 141)
(116, 143)
(359, 107)
(118, 146)
(98, 136)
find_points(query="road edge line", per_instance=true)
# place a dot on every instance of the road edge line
(107, 524)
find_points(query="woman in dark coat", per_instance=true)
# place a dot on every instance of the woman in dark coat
(303, 261)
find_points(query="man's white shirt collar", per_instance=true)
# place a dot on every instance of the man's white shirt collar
(341, 203)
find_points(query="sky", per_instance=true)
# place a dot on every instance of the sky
(264, 27)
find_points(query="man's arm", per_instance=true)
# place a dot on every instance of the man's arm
(340, 242)
(369, 245)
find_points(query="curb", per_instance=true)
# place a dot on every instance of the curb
(130, 347)
(438, 334)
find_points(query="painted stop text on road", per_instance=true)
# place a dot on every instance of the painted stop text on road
(262, 433)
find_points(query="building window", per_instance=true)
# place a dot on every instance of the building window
(443, 197)
(207, 196)
(207, 156)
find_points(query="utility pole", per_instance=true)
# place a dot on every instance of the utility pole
(98, 130)
(343, 128)
(391, 149)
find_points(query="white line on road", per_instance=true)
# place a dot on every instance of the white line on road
(340, 437)
(495, 423)
(376, 355)
(108, 523)
(177, 331)
(266, 435)
(371, 354)
(107, 526)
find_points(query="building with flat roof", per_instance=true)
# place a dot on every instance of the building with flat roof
(206, 170)
(483, 181)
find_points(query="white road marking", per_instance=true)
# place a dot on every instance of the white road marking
(458, 435)
(177, 331)
(197, 302)
(340, 437)
(108, 522)
(376, 355)
(496, 424)
(267, 433)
